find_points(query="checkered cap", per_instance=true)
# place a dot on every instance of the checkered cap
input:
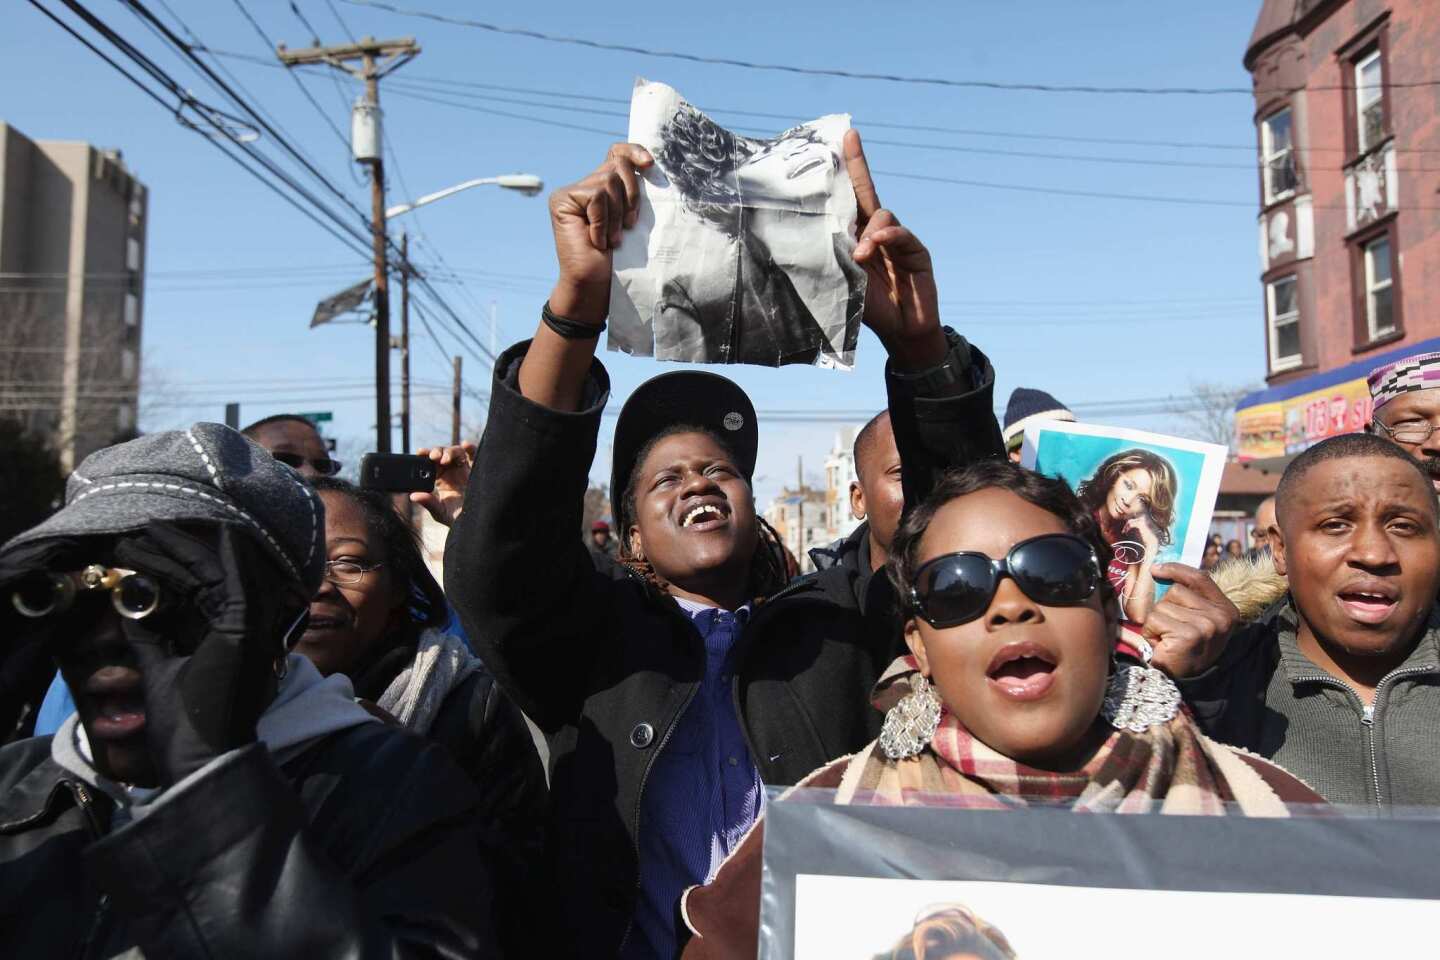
(1406, 375)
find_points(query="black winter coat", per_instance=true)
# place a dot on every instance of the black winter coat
(365, 844)
(605, 667)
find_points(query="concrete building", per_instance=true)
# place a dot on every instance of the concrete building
(839, 474)
(807, 517)
(72, 268)
(799, 517)
(1349, 226)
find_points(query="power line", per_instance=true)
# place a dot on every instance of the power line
(830, 72)
(341, 20)
(270, 45)
(418, 80)
(791, 119)
(409, 87)
(210, 114)
(186, 50)
(361, 238)
(1025, 188)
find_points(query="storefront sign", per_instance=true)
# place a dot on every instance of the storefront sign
(1286, 427)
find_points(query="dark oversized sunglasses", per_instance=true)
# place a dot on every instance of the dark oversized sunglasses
(42, 594)
(326, 467)
(1054, 569)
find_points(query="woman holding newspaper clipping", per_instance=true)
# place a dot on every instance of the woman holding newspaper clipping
(1011, 692)
(673, 687)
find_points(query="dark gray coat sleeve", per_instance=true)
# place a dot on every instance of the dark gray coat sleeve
(225, 865)
(515, 567)
(1228, 700)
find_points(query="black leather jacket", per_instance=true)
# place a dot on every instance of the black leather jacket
(366, 844)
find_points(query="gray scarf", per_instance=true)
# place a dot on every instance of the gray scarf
(415, 696)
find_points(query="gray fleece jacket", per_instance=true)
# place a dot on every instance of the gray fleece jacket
(1268, 697)
(306, 706)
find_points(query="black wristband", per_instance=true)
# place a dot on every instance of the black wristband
(569, 329)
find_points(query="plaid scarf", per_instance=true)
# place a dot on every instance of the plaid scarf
(1171, 768)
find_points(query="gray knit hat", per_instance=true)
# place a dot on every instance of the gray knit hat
(209, 473)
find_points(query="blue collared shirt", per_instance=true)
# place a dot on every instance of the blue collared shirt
(702, 795)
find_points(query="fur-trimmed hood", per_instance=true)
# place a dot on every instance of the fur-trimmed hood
(1253, 585)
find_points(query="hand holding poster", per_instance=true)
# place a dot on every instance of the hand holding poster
(1152, 496)
(742, 252)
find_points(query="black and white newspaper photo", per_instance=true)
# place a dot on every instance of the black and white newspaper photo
(742, 252)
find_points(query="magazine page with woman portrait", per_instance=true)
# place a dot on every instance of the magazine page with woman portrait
(741, 251)
(1152, 496)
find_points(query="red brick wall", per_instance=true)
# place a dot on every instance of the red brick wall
(1327, 288)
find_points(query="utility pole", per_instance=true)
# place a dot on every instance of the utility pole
(377, 58)
(404, 342)
(455, 407)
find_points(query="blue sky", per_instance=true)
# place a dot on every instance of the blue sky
(1093, 299)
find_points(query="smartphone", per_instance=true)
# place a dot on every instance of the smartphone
(397, 472)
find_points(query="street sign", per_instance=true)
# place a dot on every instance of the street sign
(324, 416)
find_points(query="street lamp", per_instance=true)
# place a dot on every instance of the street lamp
(526, 183)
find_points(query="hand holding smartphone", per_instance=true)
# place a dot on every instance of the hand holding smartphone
(397, 472)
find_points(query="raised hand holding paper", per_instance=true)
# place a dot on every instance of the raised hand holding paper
(743, 249)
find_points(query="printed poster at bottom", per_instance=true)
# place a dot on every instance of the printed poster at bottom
(855, 883)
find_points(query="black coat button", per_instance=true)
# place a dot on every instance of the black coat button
(641, 736)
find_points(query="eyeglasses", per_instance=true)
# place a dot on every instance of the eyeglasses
(41, 594)
(1409, 431)
(326, 467)
(348, 571)
(1054, 569)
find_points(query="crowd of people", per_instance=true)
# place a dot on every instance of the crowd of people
(243, 718)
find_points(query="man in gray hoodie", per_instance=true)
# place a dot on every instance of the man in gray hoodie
(213, 795)
(1341, 685)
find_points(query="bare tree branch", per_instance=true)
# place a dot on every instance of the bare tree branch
(1213, 420)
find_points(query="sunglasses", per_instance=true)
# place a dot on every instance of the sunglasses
(326, 467)
(1054, 569)
(42, 594)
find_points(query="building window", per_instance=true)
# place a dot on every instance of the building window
(124, 418)
(1282, 303)
(1379, 289)
(1277, 156)
(1369, 100)
(127, 364)
(132, 310)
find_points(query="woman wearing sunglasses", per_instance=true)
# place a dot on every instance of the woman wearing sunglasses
(1010, 691)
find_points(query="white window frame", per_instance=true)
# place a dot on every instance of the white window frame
(1268, 155)
(1372, 287)
(1362, 91)
(1273, 322)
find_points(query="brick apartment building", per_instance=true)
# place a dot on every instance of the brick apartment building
(72, 267)
(1347, 119)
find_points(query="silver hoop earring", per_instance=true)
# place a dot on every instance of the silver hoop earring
(1137, 698)
(910, 725)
